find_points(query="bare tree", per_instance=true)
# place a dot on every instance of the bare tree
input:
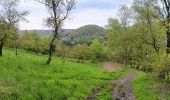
(125, 14)
(10, 15)
(59, 11)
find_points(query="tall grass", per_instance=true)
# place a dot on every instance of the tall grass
(148, 87)
(26, 77)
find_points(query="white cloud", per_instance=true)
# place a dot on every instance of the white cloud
(80, 17)
(107, 1)
(35, 18)
(90, 16)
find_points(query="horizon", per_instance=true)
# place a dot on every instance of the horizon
(61, 29)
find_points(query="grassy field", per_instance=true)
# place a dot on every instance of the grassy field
(26, 77)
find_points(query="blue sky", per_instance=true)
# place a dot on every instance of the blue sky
(86, 12)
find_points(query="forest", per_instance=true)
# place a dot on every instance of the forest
(127, 59)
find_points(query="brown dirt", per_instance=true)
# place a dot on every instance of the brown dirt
(124, 90)
(111, 67)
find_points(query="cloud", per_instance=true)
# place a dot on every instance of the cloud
(37, 13)
(90, 16)
(86, 12)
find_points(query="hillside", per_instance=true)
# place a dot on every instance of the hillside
(85, 34)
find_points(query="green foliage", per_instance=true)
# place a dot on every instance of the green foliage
(160, 65)
(27, 41)
(85, 35)
(81, 52)
(138, 44)
(44, 44)
(62, 50)
(3, 29)
(35, 43)
(97, 49)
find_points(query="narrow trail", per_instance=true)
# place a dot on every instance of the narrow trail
(122, 89)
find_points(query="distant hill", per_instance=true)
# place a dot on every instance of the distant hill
(48, 32)
(85, 34)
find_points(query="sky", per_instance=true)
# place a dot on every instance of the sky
(86, 12)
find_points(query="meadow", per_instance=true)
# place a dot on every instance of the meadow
(26, 77)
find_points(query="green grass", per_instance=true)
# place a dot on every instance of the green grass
(26, 77)
(107, 93)
(147, 87)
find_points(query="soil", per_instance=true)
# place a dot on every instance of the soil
(111, 67)
(122, 89)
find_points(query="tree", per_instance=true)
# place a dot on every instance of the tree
(148, 15)
(11, 16)
(97, 49)
(114, 31)
(166, 16)
(125, 14)
(140, 44)
(62, 50)
(147, 20)
(27, 41)
(60, 11)
(14, 40)
(81, 52)
(36, 42)
(3, 34)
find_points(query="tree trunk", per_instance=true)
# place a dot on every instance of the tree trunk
(1, 47)
(168, 27)
(52, 47)
(168, 40)
(16, 50)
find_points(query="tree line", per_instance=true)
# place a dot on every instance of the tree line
(140, 37)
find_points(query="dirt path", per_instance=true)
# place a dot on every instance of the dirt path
(96, 93)
(123, 89)
(111, 67)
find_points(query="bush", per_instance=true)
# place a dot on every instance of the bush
(161, 66)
